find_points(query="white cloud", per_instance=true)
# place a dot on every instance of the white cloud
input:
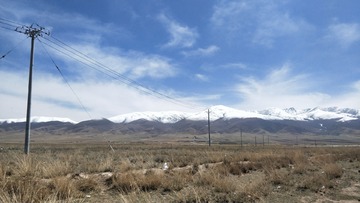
(52, 97)
(202, 77)
(274, 24)
(348, 99)
(262, 21)
(279, 89)
(234, 65)
(134, 64)
(226, 13)
(181, 36)
(344, 34)
(202, 52)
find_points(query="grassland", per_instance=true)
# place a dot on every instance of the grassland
(197, 173)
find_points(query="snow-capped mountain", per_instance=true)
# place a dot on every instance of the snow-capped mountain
(226, 113)
(38, 119)
(216, 112)
(342, 114)
(163, 117)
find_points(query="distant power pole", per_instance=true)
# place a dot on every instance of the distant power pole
(241, 137)
(209, 127)
(263, 141)
(255, 141)
(268, 140)
(32, 32)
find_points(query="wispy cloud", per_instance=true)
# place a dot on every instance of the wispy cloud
(279, 89)
(52, 97)
(234, 65)
(344, 34)
(134, 64)
(202, 52)
(201, 77)
(181, 36)
(262, 21)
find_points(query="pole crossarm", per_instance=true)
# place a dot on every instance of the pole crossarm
(33, 31)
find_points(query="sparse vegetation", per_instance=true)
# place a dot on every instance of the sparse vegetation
(197, 173)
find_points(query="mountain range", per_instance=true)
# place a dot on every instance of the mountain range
(314, 121)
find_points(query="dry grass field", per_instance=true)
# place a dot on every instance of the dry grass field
(196, 173)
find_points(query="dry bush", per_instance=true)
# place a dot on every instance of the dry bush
(314, 182)
(222, 169)
(332, 171)
(300, 168)
(87, 184)
(4, 170)
(236, 169)
(204, 178)
(24, 189)
(195, 168)
(122, 182)
(65, 188)
(149, 181)
(126, 165)
(174, 181)
(54, 168)
(278, 177)
(25, 166)
(252, 191)
(190, 194)
(223, 184)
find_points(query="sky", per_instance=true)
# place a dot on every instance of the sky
(248, 55)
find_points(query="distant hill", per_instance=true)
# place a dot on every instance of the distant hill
(315, 121)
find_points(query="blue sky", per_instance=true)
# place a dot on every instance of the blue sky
(248, 55)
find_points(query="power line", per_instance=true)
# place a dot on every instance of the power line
(120, 77)
(82, 58)
(11, 22)
(13, 48)
(8, 24)
(74, 93)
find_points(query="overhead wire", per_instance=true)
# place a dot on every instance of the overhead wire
(74, 92)
(121, 75)
(3, 56)
(11, 22)
(124, 79)
(82, 58)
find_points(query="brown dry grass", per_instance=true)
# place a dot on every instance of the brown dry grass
(196, 173)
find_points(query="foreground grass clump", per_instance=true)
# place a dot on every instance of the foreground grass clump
(133, 173)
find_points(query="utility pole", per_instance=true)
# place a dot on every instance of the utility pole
(263, 141)
(255, 141)
(209, 127)
(268, 141)
(33, 32)
(241, 137)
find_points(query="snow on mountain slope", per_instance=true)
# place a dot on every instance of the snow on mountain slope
(220, 111)
(37, 119)
(343, 114)
(164, 117)
(216, 112)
